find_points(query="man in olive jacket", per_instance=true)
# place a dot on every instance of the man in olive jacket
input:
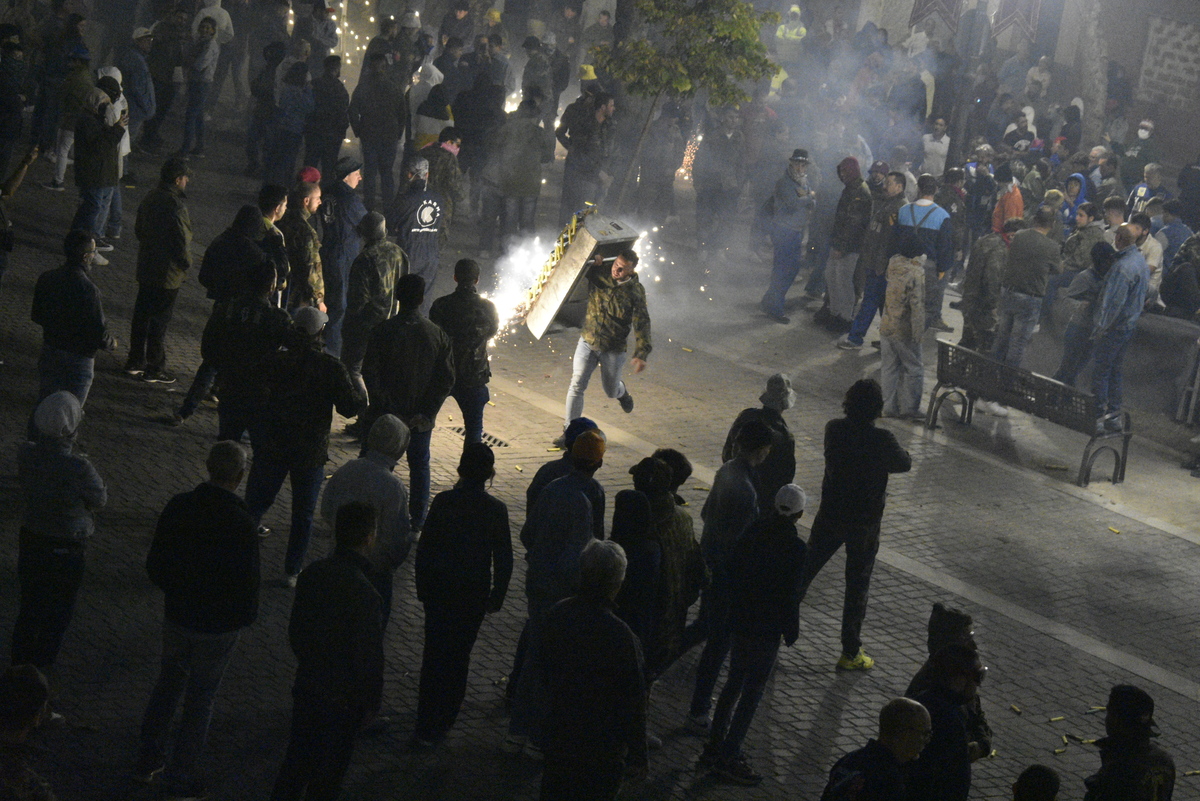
(616, 304)
(164, 232)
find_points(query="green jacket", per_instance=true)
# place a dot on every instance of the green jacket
(164, 233)
(613, 309)
(1077, 250)
(97, 156)
(370, 286)
(981, 283)
(75, 90)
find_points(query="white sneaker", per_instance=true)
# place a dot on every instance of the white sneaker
(992, 408)
(99, 261)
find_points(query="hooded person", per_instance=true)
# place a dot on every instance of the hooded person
(97, 165)
(681, 567)
(416, 220)
(849, 228)
(371, 479)
(1073, 198)
(211, 9)
(947, 627)
(779, 468)
(62, 492)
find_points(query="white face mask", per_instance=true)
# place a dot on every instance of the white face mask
(1143, 133)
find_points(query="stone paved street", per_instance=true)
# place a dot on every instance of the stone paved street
(1072, 590)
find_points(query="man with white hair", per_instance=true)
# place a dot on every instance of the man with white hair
(415, 219)
(371, 479)
(596, 729)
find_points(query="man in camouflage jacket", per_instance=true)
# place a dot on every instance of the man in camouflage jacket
(303, 248)
(616, 304)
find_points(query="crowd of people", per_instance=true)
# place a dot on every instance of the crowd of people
(323, 301)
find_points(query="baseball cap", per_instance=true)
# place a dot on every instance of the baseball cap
(790, 499)
(310, 320)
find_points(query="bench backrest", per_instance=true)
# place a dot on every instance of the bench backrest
(1016, 388)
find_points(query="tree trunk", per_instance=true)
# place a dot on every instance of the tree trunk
(1092, 64)
(631, 168)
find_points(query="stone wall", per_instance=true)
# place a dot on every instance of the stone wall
(1170, 74)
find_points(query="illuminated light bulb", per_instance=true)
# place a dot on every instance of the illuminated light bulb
(371, 19)
(543, 180)
(657, 279)
(338, 31)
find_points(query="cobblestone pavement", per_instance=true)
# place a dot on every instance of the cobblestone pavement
(1064, 605)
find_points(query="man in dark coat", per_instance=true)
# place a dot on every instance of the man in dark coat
(858, 459)
(1132, 768)
(379, 116)
(66, 304)
(766, 566)
(409, 370)
(592, 669)
(336, 633)
(239, 340)
(304, 386)
(875, 772)
(341, 211)
(204, 557)
(779, 467)
(470, 321)
(943, 771)
(330, 118)
(164, 233)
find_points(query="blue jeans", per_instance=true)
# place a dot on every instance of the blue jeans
(113, 222)
(378, 159)
(714, 617)
(1107, 358)
(418, 477)
(1053, 284)
(206, 374)
(471, 401)
(192, 666)
(193, 117)
(92, 211)
(234, 420)
(280, 161)
(586, 360)
(579, 188)
(789, 250)
(902, 375)
(874, 291)
(520, 216)
(750, 663)
(49, 572)
(63, 370)
(266, 478)
(1077, 349)
(1018, 316)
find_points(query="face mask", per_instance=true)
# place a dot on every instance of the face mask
(451, 147)
(1143, 133)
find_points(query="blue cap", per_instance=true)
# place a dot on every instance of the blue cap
(577, 427)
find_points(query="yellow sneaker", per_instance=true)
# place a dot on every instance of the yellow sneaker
(859, 661)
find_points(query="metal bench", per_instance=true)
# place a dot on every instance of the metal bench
(963, 376)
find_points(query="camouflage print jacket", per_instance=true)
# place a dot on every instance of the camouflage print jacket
(304, 258)
(613, 309)
(370, 286)
(981, 284)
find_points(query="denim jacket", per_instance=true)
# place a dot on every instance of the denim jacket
(61, 490)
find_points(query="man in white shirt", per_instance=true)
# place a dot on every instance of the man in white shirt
(937, 146)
